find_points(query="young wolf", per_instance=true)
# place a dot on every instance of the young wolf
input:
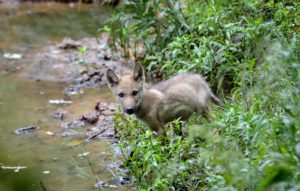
(161, 103)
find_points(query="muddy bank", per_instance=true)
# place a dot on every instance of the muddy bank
(64, 62)
(81, 63)
(98, 122)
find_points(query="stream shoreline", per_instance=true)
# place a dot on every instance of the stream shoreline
(54, 96)
(79, 72)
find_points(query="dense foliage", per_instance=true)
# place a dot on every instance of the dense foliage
(249, 52)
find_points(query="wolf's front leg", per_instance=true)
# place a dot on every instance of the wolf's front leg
(161, 132)
(161, 135)
(158, 129)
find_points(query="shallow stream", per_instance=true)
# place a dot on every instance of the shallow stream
(52, 162)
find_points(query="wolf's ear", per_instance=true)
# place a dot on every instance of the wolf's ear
(138, 72)
(112, 78)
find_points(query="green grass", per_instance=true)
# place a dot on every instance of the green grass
(249, 52)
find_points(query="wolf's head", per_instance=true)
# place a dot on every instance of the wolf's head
(128, 89)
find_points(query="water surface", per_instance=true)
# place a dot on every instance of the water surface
(28, 25)
(54, 160)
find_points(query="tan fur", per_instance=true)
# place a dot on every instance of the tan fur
(161, 103)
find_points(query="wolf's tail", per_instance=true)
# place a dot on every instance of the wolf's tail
(215, 100)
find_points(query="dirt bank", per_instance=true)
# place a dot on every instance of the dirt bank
(81, 64)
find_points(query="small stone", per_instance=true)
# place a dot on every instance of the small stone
(91, 118)
(46, 172)
(73, 124)
(49, 133)
(100, 185)
(60, 101)
(84, 154)
(25, 130)
(69, 132)
(59, 114)
(12, 56)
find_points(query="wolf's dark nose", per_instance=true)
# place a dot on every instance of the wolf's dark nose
(130, 111)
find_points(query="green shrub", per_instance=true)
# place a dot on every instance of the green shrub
(249, 52)
(215, 38)
(253, 143)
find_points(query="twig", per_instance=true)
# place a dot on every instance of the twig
(43, 186)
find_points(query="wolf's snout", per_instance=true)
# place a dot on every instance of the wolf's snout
(130, 111)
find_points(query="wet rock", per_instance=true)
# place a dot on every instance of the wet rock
(59, 114)
(103, 117)
(68, 43)
(116, 148)
(73, 90)
(107, 112)
(25, 130)
(68, 133)
(73, 124)
(118, 166)
(100, 185)
(102, 107)
(83, 78)
(124, 180)
(108, 124)
(92, 79)
(103, 185)
(106, 117)
(90, 118)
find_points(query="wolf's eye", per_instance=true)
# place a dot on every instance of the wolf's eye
(121, 94)
(135, 92)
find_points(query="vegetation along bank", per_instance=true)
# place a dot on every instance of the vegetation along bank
(249, 52)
